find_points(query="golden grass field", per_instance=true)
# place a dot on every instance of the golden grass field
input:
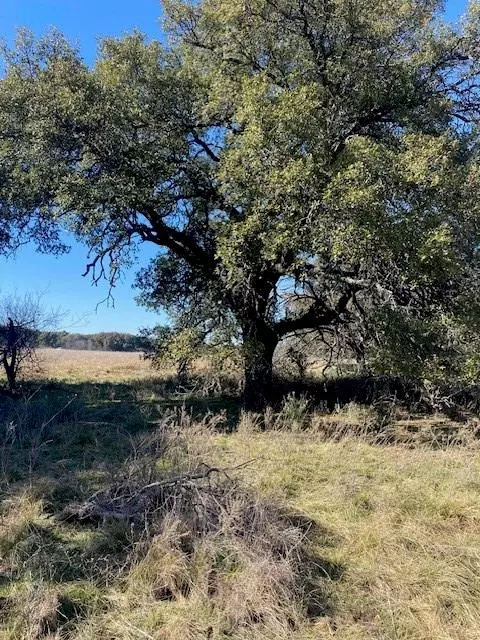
(393, 531)
(99, 366)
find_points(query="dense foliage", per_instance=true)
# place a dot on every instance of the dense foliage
(301, 166)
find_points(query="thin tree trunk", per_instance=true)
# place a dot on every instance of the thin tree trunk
(10, 356)
(10, 372)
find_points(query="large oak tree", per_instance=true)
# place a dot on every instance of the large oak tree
(299, 163)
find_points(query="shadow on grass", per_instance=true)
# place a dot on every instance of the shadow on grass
(320, 572)
(76, 431)
(62, 442)
(72, 433)
(337, 392)
(56, 428)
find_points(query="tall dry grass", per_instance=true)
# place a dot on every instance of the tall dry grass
(357, 524)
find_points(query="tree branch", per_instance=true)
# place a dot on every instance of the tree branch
(179, 242)
(318, 315)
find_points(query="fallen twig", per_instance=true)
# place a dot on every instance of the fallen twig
(127, 502)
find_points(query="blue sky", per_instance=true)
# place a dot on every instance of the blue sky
(60, 279)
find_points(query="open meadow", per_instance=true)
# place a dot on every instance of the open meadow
(91, 366)
(132, 509)
(267, 215)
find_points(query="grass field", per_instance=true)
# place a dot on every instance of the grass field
(307, 535)
(92, 366)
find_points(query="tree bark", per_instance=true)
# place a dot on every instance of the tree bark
(259, 342)
(9, 359)
(10, 372)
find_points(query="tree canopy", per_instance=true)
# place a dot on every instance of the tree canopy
(301, 165)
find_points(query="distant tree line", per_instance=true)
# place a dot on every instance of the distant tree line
(104, 341)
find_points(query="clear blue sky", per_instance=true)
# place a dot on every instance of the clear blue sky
(84, 22)
(60, 279)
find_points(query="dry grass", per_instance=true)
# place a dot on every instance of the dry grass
(92, 366)
(201, 558)
(351, 525)
(404, 523)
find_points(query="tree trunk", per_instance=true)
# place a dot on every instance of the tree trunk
(10, 354)
(11, 373)
(259, 342)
